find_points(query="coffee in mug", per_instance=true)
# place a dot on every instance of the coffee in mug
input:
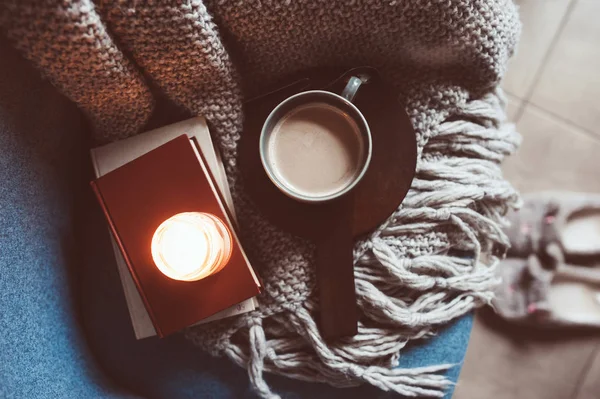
(316, 150)
(316, 145)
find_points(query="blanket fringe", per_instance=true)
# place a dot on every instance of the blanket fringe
(431, 262)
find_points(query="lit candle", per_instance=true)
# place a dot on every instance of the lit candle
(191, 246)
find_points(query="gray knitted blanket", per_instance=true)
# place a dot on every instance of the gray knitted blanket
(431, 262)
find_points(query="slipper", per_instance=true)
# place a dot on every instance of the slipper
(551, 294)
(570, 219)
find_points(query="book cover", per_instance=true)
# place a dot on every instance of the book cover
(137, 198)
(111, 156)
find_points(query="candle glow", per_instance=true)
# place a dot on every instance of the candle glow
(191, 246)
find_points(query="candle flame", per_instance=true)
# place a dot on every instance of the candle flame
(191, 246)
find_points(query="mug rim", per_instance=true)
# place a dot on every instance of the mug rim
(365, 133)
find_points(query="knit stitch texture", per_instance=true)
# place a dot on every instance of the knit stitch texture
(432, 261)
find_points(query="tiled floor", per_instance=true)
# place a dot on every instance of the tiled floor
(553, 86)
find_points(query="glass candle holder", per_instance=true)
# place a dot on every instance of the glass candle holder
(191, 246)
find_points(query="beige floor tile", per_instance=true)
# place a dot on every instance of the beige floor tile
(508, 362)
(590, 384)
(541, 19)
(569, 86)
(554, 155)
(512, 108)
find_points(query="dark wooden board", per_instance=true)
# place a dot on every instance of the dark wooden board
(332, 225)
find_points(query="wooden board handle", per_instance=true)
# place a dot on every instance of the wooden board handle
(335, 271)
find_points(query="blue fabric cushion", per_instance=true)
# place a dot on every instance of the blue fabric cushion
(43, 353)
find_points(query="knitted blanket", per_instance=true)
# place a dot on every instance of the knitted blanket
(430, 262)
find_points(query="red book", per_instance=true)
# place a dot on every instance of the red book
(136, 198)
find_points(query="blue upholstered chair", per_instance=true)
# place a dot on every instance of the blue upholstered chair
(64, 327)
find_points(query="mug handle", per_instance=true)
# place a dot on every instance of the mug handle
(351, 88)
